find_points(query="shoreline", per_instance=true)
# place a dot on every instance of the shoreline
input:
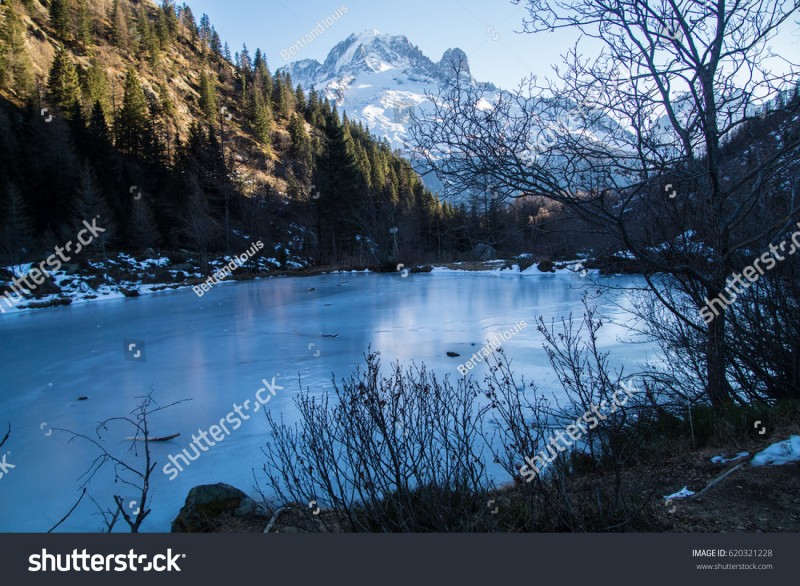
(74, 286)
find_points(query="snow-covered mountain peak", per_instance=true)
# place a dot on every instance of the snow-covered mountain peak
(379, 79)
(372, 51)
(454, 60)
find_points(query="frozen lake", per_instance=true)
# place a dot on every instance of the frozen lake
(216, 351)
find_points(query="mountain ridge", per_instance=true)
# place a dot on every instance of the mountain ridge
(379, 79)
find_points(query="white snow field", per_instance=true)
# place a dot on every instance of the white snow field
(218, 349)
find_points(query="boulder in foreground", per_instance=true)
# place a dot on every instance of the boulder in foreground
(220, 508)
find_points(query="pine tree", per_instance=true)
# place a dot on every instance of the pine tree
(168, 23)
(262, 79)
(143, 230)
(245, 62)
(216, 41)
(339, 186)
(148, 35)
(120, 24)
(379, 167)
(90, 205)
(98, 125)
(300, 150)
(198, 225)
(16, 229)
(95, 85)
(188, 21)
(60, 17)
(261, 118)
(313, 109)
(77, 125)
(300, 98)
(63, 84)
(167, 121)
(204, 32)
(208, 96)
(245, 72)
(280, 104)
(162, 30)
(165, 99)
(16, 70)
(83, 24)
(131, 126)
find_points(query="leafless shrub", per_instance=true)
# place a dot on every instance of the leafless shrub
(406, 452)
(396, 453)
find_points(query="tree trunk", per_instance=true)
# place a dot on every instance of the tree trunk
(717, 386)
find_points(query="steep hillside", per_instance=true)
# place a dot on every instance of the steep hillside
(138, 114)
(163, 45)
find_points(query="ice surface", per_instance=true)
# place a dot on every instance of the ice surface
(217, 349)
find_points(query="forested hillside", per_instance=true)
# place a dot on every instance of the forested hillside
(138, 114)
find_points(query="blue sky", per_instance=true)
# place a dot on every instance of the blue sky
(487, 30)
(484, 29)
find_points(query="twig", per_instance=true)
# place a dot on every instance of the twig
(274, 519)
(8, 433)
(75, 506)
(114, 516)
(718, 479)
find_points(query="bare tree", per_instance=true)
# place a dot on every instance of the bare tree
(125, 473)
(639, 141)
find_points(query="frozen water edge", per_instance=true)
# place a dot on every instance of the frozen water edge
(216, 350)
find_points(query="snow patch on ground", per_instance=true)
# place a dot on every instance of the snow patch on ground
(724, 460)
(779, 454)
(572, 267)
(139, 277)
(681, 494)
